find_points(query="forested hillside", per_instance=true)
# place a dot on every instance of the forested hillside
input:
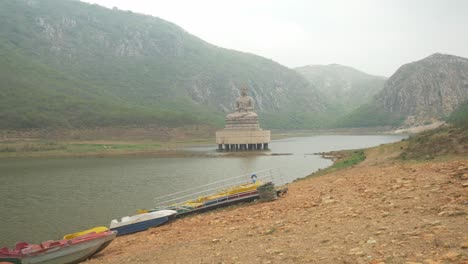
(345, 88)
(459, 117)
(65, 63)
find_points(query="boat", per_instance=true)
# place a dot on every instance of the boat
(65, 251)
(228, 196)
(97, 229)
(218, 194)
(219, 202)
(141, 222)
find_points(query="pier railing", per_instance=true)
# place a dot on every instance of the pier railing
(181, 197)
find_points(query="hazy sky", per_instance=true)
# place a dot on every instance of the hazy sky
(375, 36)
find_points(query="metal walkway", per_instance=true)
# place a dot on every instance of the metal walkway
(181, 197)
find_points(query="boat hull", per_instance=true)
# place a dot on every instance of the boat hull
(101, 248)
(222, 202)
(68, 255)
(140, 226)
(237, 198)
(74, 251)
(10, 260)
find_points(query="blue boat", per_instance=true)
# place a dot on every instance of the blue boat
(141, 222)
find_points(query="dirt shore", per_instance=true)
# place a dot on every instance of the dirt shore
(382, 210)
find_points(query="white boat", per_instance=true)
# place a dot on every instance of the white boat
(141, 222)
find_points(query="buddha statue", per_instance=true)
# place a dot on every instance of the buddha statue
(242, 130)
(244, 108)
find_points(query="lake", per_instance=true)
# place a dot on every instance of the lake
(46, 198)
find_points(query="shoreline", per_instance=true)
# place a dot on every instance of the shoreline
(31, 147)
(151, 141)
(96, 148)
(381, 210)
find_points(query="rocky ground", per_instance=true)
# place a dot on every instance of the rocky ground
(381, 211)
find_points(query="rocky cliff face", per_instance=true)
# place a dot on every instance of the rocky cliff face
(427, 89)
(343, 86)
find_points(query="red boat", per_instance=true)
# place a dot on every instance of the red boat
(66, 251)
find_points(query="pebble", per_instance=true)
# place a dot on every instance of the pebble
(431, 261)
(452, 256)
(356, 251)
(377, 261)
(274, 251)
(328, 200)
(450, 213)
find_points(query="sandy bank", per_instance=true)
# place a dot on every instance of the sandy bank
(380, 211)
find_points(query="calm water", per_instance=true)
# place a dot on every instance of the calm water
(45, 198)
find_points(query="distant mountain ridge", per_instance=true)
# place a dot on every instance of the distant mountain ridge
(70, 64)
(344, 87)
(417, 93)
(427, 89)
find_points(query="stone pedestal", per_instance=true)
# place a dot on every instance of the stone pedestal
(244, 124)
(242, 135)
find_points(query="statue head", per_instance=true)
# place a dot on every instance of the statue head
(243, 90)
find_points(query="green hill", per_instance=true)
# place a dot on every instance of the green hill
(65, 63)
(345, 88)
(459, 117)
(34, 95)
(369, 115)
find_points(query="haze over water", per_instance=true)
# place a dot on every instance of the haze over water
(46, 198)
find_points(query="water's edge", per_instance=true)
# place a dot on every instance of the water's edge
(47, 198)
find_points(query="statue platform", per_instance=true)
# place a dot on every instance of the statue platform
(242, 135)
